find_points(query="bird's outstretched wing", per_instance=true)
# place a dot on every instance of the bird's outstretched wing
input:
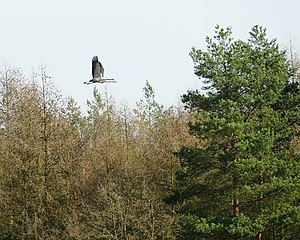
(97, 68)
(101, 69)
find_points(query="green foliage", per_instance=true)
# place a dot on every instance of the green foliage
(75, 119)
(243, 180)
(104, 175)
(96, 106)
(148, 109)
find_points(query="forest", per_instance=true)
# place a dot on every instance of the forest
(224, 164)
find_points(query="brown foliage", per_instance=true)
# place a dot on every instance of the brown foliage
(69, 176)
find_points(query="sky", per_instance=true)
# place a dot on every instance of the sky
(136, 40)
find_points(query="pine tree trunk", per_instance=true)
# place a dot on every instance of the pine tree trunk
(236, 212)
(259, 236)
(261, 182)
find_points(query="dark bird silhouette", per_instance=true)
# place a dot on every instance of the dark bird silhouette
(98, 73)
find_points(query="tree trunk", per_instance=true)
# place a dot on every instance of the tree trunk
(259, 236)
(236, 212)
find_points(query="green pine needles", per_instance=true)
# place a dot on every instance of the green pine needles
(242, 181)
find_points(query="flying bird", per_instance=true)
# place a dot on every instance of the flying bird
(98, 73)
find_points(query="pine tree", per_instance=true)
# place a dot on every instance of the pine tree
(148, 109)
(242, 181)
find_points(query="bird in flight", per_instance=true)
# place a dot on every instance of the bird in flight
(98, 73)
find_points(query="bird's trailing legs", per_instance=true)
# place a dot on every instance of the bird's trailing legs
(109, 80)
(103, 80)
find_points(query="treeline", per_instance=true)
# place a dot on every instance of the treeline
(99, 175)
(224, 166)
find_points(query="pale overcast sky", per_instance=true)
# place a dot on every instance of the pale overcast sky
(136, 40)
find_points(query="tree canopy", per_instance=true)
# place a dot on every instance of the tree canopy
(242, 181)
(226, 167)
